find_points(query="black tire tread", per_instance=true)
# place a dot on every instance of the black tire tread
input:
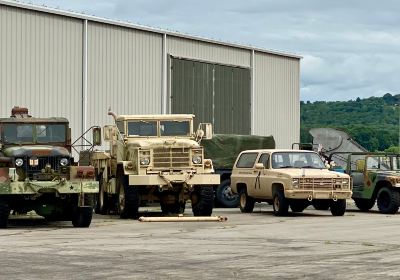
(283, 203)
(249, 206)
(364, 204)
(338, 208)
(4, 213)
(205, 203)
(222, 201)
(394, 201)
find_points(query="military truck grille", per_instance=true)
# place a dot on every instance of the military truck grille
(53, 161)
(317, 183)
(171, 158)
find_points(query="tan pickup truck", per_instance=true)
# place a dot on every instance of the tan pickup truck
(289, 178)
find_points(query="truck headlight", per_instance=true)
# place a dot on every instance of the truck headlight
(196, 159)
(295, 182)
(144, 161)
(64, 162)
(19, 162)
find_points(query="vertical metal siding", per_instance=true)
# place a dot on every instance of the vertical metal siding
(182, 47)
(41, 64)
(277, 98)
(215, 93)
(124, 72)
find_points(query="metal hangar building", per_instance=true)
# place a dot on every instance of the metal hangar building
(60, 63)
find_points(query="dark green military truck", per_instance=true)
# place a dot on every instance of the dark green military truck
(37, 171)
(376, 179)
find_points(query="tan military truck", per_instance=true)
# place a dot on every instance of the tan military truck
(288, 178)
(154, 158)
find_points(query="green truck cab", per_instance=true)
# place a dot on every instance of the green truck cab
(376, 179)
(37, 171)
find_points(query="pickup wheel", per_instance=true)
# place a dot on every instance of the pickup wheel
(280, 203)
(82, 216)
(202, 201)
(364, 204)
(4, 213)
(388, 201)
(225, 197)
(246, 203)
(338, 208)
(128, 199)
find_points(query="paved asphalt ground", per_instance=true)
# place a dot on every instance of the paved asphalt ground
(310, 245)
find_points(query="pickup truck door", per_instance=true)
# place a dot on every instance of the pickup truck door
(263, 179)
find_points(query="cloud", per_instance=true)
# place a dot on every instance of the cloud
(351, 48)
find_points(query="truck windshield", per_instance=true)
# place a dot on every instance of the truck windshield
(34, 133)
(383, 163)
(297, 160)
(174, 128)
(142, 128)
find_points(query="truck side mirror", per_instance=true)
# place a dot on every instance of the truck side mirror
(205, 131)
(259, 166)
(96, 136)
(109, 132)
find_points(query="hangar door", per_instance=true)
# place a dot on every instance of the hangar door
(215, 93)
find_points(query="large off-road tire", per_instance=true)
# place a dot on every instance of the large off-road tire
(128, 199)
(364, 204)
(321, 204)
(388, 200)
(173, 208)
(4, 213)
(246, 203)
(102, 199)
(338, 208)
(280, 203)
(225, 197)
(202, 201)
(82, 216)
(298, 205)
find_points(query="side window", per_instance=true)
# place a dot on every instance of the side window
(247, 160)
(264, 159)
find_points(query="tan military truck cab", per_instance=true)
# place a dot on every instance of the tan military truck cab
(288, 178)
(155, 158)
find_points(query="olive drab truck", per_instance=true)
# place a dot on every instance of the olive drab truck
(37, 171)
(154, 158)
(375, 176)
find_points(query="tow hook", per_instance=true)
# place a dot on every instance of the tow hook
(309, 198)
(335, 197)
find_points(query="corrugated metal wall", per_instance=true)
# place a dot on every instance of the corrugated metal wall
(277, 98)
(193, 49)
(41, 64)
(124, 72)
(41, 67)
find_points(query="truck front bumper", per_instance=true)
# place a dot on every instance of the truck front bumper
(318, 194)
(167, 179)
(61, 187)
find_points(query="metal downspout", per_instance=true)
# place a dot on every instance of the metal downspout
(84, 78)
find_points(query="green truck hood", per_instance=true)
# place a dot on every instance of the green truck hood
(35, 150)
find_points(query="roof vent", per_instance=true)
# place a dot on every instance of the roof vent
(20, 112)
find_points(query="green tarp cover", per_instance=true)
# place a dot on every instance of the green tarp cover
(224, 148)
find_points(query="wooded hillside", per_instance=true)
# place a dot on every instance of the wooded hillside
(373, 122)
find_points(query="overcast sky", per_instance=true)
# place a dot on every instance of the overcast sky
(350, 48)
